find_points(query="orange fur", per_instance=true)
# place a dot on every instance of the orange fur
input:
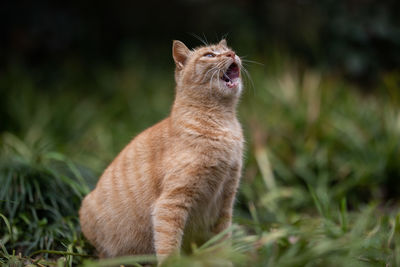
(174, 183)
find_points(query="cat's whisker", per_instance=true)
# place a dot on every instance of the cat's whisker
(217, 78)
(248, 78)
(217, 39)
(251, 61)
(205, 76)
(199, 38)
(218, 65)
(205, 38)
(245, 71)
(211, 80)
(219, 84)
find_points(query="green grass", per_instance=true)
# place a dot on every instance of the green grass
(320, 185)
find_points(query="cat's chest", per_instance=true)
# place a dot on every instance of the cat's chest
(224, 144)
(218, 165)
(205, 214)
(226, 152)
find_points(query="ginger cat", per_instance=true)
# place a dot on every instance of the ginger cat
(175, 183)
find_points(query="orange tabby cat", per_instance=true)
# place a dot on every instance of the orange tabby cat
(175, 183)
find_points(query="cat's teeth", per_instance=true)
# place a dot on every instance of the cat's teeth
(232, 83)
(225, 78)
(232, 72)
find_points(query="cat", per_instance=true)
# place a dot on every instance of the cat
(175, 183)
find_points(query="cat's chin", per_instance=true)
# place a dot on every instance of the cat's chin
(230, 88)
(232, 84)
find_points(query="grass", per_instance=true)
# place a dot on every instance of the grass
(320, 185)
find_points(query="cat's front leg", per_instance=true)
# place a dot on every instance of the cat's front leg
(224, 220)
(169, 218)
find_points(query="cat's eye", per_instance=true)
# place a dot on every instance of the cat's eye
(209, 55)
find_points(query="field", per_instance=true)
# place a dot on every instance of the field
(320, 186)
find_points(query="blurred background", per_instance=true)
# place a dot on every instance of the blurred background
(320, 113)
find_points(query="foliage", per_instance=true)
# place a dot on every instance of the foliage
(320, 184)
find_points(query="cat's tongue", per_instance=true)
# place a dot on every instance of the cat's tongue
(231, 75)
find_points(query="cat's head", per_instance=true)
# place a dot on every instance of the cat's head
(208, 69)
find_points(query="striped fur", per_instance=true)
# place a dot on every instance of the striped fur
(175, 183)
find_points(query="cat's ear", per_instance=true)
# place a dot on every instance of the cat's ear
(223, 43)
(180, 53)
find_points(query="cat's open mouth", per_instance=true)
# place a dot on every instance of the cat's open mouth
(231, 75)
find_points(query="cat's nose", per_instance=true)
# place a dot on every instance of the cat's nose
(230, 54)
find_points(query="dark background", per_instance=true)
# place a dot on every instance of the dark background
(359, 38)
